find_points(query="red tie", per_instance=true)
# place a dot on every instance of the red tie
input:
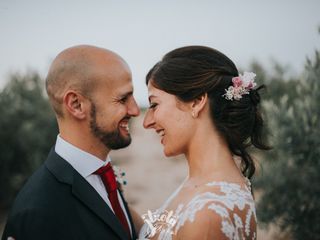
(108, 178)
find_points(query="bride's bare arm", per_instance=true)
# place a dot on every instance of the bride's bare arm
(137, 220)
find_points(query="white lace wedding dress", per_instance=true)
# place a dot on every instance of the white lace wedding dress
(232, 203)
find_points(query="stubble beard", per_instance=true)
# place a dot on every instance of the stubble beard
(112, 140)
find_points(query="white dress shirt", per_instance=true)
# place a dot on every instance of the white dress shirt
(86, 164)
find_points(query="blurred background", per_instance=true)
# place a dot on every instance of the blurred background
(279, 40)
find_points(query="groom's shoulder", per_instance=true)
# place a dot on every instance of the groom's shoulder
(38, 185)
(41, 181)
(40, 190)
(38, 203)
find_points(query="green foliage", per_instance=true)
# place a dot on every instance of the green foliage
(290, 177)
(28, 130)
(277, 83)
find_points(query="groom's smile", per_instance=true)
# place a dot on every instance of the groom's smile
(124, 126)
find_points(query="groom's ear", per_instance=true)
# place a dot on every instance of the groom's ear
(75, 104)
(198, 105)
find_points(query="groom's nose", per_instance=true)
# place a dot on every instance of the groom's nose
(133, 108)
(148, 120)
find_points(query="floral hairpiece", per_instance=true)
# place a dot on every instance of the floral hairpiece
(241, 85)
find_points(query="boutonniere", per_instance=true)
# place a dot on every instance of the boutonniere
(120, 176)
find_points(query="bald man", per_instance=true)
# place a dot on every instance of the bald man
(91, 92)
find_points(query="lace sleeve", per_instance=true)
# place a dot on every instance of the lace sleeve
(227, 214)
(227, 211)
(207, 224)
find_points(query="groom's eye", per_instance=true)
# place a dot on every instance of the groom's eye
(123, 99)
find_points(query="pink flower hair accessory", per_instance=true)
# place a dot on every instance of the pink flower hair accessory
(240, 85)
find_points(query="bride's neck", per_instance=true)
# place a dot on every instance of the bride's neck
(208, 155)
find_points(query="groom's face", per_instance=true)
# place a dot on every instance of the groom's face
(113, 138)
(112, 106)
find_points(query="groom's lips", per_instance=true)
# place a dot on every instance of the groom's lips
(124, 125)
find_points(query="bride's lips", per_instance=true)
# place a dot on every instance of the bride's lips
(161, 134)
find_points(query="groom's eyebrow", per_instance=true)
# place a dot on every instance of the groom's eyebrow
(127, 94)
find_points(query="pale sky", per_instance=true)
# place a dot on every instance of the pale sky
(33, 32)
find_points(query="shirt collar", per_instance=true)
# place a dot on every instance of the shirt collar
(83, 162)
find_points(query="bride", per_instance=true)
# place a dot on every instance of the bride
(201, 107)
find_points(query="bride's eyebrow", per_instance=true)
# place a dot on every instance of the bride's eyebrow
(152, 96)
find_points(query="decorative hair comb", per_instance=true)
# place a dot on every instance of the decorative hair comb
(241, 85)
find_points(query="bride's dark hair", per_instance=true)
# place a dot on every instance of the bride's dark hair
(192, 71)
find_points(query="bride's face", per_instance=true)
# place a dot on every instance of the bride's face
(171, 119)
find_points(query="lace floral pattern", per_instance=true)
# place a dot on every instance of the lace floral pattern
(231, 202)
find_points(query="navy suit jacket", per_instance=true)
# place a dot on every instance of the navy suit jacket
(58, 203)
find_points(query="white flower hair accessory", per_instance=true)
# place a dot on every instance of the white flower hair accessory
(241, 85)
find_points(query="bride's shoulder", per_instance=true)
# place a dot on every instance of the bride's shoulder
(220, 190)
(206, 225)
(218, 210)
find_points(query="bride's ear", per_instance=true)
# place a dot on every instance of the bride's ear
(198, 105)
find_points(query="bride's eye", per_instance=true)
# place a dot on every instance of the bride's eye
(152, 105)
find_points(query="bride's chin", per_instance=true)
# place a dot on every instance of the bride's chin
(166, 152)
(169, 153)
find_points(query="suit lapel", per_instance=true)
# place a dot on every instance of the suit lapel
(134, 235)
(86, 194)
(83, 191)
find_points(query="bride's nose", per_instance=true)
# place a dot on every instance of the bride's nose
(148, 121)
